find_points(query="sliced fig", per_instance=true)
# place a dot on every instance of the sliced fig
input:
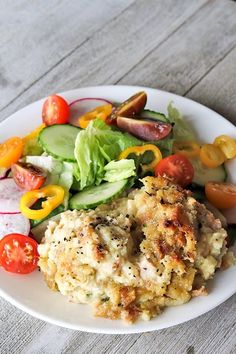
(129, 108)
(145, 130)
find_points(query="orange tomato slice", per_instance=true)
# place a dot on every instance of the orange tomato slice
(211, 156)
(10, 151)
(221, 195)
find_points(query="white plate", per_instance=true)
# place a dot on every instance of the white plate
(31, 294)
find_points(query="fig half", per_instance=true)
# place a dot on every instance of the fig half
(144, 130)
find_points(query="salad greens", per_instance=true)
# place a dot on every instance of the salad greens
(118, 170)
(181, 129)
(95, 161)
(103, 144)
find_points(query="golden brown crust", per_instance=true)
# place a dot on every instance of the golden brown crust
(136, 255)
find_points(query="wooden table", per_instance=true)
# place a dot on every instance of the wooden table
(183, 46)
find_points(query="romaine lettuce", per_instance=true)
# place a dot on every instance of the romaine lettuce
(97, 145)
(181, 129)
(118, 170)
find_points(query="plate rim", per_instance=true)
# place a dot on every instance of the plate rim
(127, 329)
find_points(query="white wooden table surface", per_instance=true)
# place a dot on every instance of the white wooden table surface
(183, 46)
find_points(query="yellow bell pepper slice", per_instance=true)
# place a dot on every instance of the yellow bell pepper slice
(211, 156)
(227, 145)
(186, 148)
(34, 134)
(53, 193)
(101, 112)
(140, 150)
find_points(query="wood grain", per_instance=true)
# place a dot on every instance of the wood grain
(217, 89)
(36, 37)
(185, 57)
(103, 58)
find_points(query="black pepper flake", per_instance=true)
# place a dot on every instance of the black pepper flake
(144, 268)
(127, 215)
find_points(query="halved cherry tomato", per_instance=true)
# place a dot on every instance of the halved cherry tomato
(28, 176)
(186, 148)
(101, 112)
(18, 253)
(55, 110)
(227, 145)
(10, 151)
(211, 156)
(221, 195)
(177, 167)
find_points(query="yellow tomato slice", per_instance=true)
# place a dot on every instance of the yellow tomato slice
(187, 148)
(227, 145)
(221, 195)
(101, 112)
(34, 133)
(10, 151)
(211, 156)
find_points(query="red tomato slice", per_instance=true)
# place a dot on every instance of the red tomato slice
(28, 176)
(55, 110)
(177, 167)
(18, 253)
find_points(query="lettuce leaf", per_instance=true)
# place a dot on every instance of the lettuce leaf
(97, 145)
(118, 170)
(181, 129)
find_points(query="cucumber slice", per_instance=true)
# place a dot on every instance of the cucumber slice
(203, 174)
(59, 141)
(93, 196)
(146, 113)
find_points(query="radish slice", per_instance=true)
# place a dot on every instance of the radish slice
(10, 195)
(84, 105)
(3, 172)
(10, 223)
(230, 215)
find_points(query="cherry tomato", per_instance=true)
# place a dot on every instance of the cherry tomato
(211, 156)
(55, 110)
(177, 167)
(221, 195)
(28, 176)
(10, 151)
(227, 145)
(18, 253)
